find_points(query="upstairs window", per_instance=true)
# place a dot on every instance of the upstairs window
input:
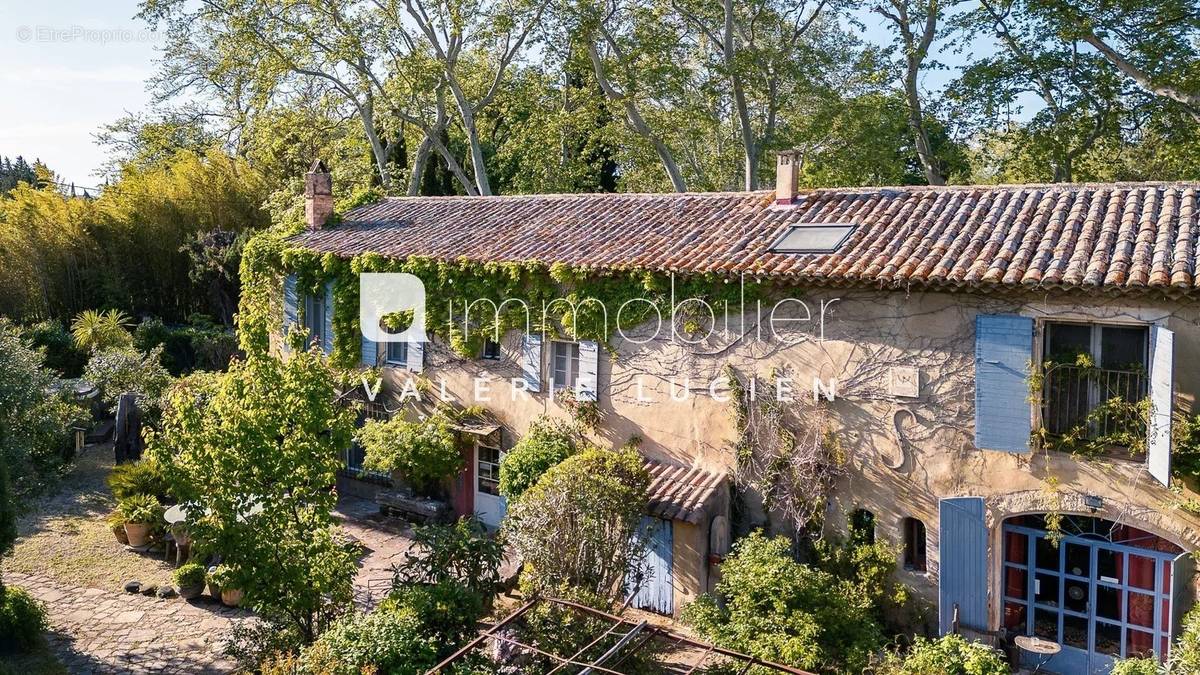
(813, 238)
(314, 318)
(1089, 364)
(397, 353)
(914, 544)
(491, 350)
(564, 364)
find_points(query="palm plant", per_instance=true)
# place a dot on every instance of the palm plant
(95, 331)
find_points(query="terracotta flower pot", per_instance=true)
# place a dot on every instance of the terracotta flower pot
(231, 597)
(119, 532)
(138, 533)
(191, 592)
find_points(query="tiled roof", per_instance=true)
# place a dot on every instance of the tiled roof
(1095, 236)
(679, 493)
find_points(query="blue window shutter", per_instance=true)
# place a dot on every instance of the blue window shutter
(370, 352)
(962, 564)
(1003, 350)
(291, 300)
(1162, 366)
(327, 330)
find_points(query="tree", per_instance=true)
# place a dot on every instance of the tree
(257, 450)
(546, 443)
(95, 331)
(916, 26)
(422, 452)
(576, 528)
(775, 608)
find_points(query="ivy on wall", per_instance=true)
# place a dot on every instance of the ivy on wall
(561, 299)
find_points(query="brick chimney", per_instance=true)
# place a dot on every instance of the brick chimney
(786, 167)
(318, 196)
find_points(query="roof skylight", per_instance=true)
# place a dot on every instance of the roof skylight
(813, 238)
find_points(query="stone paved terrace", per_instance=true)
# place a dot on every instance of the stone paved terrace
(98, 631)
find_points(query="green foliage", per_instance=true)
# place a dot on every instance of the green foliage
(422, 452)
(145, 477)
(775, 608)
(869, 570)
(1185, 656)
(576, 526)
(1149, 665)
(947, 655)
(462, 554)
(200, 345)
(59, 347)
(547, 442)
(392, 639)
(141, 508)
(94, 331)
(124, 370)
(8, 515)
(22, 620)
(257, 449)
(1185, 449)
(447, 610)
(35, 427)
(190, 574)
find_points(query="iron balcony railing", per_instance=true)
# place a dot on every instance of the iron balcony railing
(1071, 392)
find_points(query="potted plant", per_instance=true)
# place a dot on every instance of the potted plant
(142, 514)
(116, 522)
(214, 589)
(190, 579)
(223, 577)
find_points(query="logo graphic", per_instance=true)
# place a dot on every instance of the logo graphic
(381, 294)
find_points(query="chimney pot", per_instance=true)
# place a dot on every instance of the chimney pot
(318, 196)
(786, 176)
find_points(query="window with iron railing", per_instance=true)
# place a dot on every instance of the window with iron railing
(1090, 372)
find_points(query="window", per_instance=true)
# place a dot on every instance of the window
(487, 469)
(314, 318)
(491, 350)
(1091, 364)
(564, 371)
(813, 238)
(862, 527)
(397, 353)
(914, 544)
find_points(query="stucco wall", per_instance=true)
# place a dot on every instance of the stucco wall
(904, 453)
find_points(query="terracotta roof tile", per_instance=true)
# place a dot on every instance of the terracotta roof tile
(1107, 236)
(680, 493)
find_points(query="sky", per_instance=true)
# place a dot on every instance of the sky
(71, 66)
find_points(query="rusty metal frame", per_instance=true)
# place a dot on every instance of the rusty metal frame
(647, 632)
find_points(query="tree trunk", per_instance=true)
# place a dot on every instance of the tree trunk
(420, 160)
(916, 121)
(749, 143)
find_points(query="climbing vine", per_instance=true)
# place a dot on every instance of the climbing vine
(468, 301)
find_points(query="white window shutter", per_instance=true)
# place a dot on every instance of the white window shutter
(416, 356)
(1158, 443)
(531, 362)
(589, 358)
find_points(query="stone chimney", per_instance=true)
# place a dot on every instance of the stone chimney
(318, 196)
(786, 167)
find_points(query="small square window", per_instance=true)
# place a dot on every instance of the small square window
(397, 353)
(491, 350)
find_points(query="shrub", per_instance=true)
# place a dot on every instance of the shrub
(118, 371)
(142, 509)
(190, 574)
(870, 569)
(1135, 666)
(778, 609)
(139, 478)
(391, 639)
(462, 553)
(447, 611)
(1185, 657)
(576, 527)
(948, 655)
(199, 345)
(547, 442)
(58, 347)
(94, 331)
(22, 620)
(422, 452)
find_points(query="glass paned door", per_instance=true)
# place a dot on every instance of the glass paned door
(490, 507)
(1100, 600)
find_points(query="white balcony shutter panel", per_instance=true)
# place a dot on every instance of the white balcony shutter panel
(416, 356)
(1158, 443)
(531, 362)
(589, 359)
